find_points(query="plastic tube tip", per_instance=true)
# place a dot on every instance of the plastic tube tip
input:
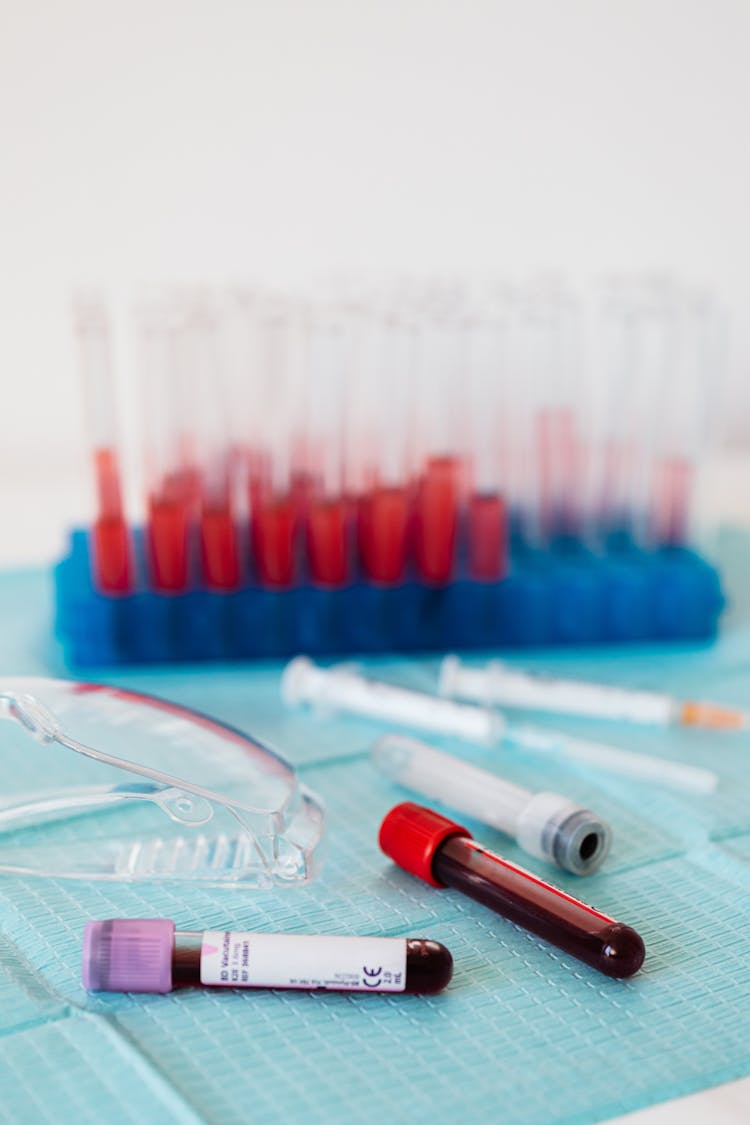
(295, 681)
(449, 671)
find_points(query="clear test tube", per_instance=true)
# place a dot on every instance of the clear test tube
(526, 372)
(206, 374)
(613, 359)
(551, 328)
(690, 378)
(327, 515)
(110, 539)
(439, 436)
(169, 467)
(384, 510)
(237, 311)
(275, 508)
(658, 482)
(639, 351)
(486, 375)
(590, 391)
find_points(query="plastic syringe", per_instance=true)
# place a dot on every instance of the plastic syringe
(500, 684)
(546, 825)
(342, 688)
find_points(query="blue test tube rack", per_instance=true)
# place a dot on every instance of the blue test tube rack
(562, 595)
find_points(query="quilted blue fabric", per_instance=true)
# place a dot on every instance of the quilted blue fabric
(524, 1032)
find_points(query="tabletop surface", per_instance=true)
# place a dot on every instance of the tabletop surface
(522, 1028)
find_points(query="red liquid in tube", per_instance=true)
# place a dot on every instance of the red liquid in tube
(383, 533)
(112, 557)
(219, 550)
(488, 537)
(168, 543)
(436, 519)
(327, 542)
(444, 854)
(274, 525)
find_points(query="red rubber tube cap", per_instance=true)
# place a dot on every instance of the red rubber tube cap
(411, 834)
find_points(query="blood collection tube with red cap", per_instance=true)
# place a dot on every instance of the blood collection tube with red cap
(111, 547)
(444, 854)
(150, 955)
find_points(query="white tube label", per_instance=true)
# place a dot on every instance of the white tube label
(247, 960)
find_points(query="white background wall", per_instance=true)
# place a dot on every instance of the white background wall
(211, 139)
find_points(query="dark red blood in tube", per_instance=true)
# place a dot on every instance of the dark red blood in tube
(443, 853)
(436, 519)
(488, 539)
(274, 523)
(429, 965)
(383, 528)
(168, 543)
(327, 541)
(219, 550)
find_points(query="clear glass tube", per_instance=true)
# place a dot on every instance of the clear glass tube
(327, 517)
(110, 538)
(488, 438)
(278, 499)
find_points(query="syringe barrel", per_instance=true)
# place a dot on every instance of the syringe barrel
(546, 825)
(498, 684)
(628, 763)
(344, 689)
(443, 853)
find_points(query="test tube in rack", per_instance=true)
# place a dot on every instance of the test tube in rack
(110, 538)
(440, 398)
(274, 507)
(487, 371)
(388, 371)
(171, 475)
(327, 514)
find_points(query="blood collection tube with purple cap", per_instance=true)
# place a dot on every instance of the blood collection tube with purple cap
(151, 955)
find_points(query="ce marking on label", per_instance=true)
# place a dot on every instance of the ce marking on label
(371, 976)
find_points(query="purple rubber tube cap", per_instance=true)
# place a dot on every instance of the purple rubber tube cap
(128, 955)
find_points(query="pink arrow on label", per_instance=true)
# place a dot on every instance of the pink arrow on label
(208, 949)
